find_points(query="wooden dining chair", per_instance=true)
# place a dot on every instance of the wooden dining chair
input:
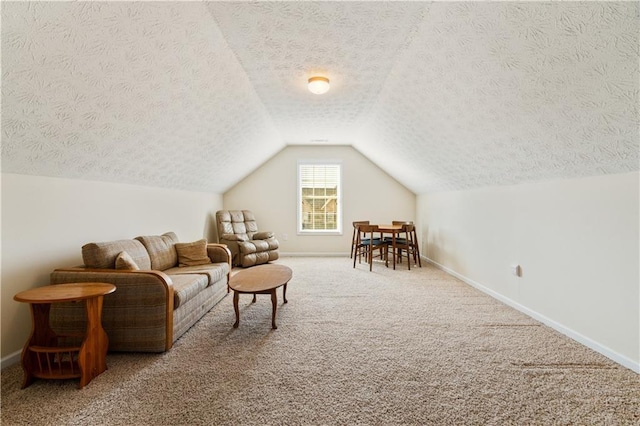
(367, 243)
(409, 238)
(405, 245)
(354, 237)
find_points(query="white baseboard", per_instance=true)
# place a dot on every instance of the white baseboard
(592, 344)
(10, 360)
(312, 254)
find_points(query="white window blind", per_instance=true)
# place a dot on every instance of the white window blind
(319, 195)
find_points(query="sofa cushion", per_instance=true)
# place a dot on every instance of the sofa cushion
(161, 249)
(125, 261)
(192, 254)
(103, 255)
(213, 272)
(186, 287)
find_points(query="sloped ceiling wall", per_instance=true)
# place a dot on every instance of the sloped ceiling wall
(196, 95)
(146, 93)
(509, 92)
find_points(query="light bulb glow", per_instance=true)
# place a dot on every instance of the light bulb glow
(318, 85)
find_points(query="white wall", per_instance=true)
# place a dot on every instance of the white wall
(271, 193)
(45, 222)
(576, 240)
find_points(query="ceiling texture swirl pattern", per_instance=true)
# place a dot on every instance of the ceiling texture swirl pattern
(440, 95)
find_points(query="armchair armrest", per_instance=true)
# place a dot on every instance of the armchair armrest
(233, 237)
(265, 235)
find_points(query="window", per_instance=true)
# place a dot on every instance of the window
(319, 210)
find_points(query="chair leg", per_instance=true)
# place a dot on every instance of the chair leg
(358, 254)
(416, 253)
(386, 255)
(353, 244)
(416, 249)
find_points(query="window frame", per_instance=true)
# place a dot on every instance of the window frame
(299, 212)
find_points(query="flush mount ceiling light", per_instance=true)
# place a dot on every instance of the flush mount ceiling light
(318, 85)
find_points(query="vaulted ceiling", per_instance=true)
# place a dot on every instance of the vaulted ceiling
(440, 95)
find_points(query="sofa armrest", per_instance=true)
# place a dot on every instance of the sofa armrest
(219, 253)
(143, 300)
(264, 235)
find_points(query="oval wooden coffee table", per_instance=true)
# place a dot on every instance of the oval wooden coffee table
(261, 279)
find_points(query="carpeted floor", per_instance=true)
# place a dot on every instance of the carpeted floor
(352, 347)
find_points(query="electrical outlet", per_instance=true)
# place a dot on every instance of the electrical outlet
(516, 270)
(285, 237)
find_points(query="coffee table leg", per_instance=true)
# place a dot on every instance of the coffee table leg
(254, 298)
(274, 303)
(235, 308)
(284, 292)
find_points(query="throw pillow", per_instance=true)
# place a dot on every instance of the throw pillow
(192, 254)
(125, 261)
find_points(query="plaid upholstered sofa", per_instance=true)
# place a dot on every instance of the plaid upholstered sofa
(163, 287)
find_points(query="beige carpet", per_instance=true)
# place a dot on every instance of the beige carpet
(353, 347)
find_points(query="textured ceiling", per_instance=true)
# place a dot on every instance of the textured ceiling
(442, 96)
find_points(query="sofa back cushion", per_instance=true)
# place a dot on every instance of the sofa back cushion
(161, 249)
(103, 255)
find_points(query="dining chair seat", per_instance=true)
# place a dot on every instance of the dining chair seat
(398, 240)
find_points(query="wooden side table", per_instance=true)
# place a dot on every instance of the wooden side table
(43, 356)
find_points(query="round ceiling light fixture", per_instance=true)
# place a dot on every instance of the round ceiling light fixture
(318, 85)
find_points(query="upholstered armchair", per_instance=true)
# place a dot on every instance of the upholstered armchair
(239, 231)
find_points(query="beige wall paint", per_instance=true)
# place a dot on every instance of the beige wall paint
(577, 242)
(45, 221)
(271, 193)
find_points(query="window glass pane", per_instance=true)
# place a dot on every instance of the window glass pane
(319, 186)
